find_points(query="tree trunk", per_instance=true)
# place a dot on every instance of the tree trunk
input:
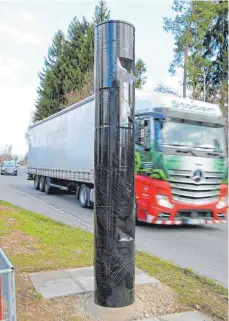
(185, 62)
(186, 53)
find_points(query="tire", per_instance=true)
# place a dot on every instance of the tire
(15, 174)
(37, 182)
(48, 188)
(83, 196)
(42, 184)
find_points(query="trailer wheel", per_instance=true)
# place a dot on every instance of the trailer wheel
(83, 196)
(42, 184)
(37, 182)
(29, 177)
(48, 188)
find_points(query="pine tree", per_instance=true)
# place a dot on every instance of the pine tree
(216, 50)
(140, 70)
(182, 28)
(101, 12)
(51, 97)
(68, 67)
(81, 40)
(200, 30)
(54, 52)
(61, 74)
(198, 63)
(79, 54)
(56, 49)
(51, 89)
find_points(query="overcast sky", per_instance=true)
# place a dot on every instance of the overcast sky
(26, 31)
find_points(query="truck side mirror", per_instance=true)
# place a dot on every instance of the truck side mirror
(147, 135)
(138, 131)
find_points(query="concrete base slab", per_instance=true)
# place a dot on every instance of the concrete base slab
(74, 281)
(184, 316)
(131, 312)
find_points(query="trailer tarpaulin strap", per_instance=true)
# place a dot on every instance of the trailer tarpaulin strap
(114, 164)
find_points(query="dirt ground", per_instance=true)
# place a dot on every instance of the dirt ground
(18, 243)
(32, 307)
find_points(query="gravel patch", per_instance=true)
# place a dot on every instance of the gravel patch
(158, 300)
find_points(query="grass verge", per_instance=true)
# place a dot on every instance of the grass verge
(43, 244)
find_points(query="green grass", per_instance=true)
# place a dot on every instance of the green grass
(58, 246)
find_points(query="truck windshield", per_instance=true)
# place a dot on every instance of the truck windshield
(205, 136)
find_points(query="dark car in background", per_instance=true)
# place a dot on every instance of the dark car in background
(9, 168)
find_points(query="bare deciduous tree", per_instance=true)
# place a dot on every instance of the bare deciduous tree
(6, 154)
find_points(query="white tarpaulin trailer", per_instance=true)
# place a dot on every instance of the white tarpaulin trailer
(62, 145)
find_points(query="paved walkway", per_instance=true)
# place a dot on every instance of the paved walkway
(75, 281)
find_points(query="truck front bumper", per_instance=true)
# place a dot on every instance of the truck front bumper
(166, 211)
(188, 215)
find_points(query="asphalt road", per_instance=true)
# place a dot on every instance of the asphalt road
(203, 249)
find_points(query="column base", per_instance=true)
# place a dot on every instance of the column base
(133, 311)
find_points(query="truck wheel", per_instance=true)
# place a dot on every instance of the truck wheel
(83, 196)
(42, 184)
(37, 182)
(48, 188)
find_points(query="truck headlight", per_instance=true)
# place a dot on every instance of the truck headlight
(163, 200)
(223, 202)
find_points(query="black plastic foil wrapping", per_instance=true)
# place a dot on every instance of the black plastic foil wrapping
(114, 259)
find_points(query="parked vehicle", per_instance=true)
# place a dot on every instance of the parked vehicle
(181, 159)
(9, 168)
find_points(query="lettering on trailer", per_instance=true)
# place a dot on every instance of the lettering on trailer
(193, 107)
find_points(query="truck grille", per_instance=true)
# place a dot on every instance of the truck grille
(185, 189)
(197, 214)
